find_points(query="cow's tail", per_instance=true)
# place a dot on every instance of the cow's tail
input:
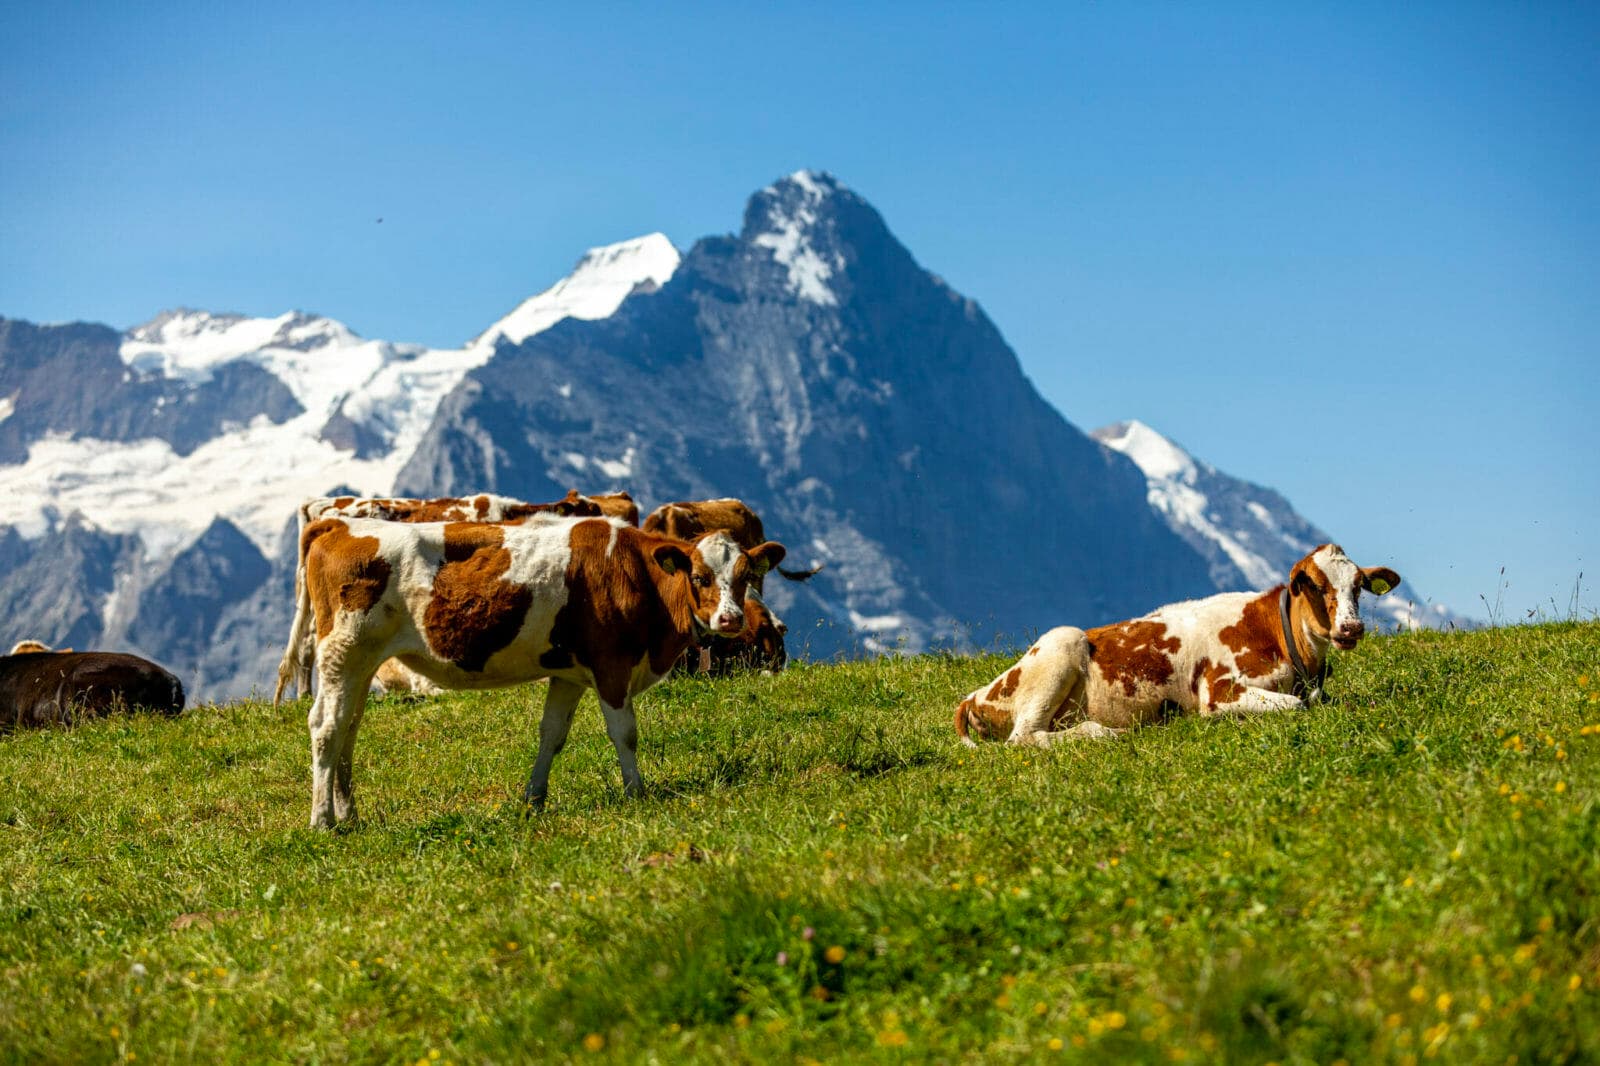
(296, 657)
(964, 722)
(800, 575)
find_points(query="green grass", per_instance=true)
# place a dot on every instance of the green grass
(821, 872)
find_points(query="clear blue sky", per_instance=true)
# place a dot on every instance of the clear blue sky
(1346, 251)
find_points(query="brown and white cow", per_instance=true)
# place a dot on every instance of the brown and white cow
(1234, 653)
(688, 519)
(588, 603)
(483, 507)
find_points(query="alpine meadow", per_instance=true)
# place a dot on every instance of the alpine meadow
(819, 873)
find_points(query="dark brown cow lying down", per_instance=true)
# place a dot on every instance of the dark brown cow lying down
(49, 687)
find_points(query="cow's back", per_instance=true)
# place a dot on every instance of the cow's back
(1166, 656)
(465, 604)
(41, 688)
(687, 520)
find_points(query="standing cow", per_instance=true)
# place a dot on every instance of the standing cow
(483, 507)
(588, 603)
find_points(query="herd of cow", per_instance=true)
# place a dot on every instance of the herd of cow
(485, 592)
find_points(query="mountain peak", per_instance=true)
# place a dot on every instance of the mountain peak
(1158, 457)
(189, 344)
(601, 280)
(794, 218)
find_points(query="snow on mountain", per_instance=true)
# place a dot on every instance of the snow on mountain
(1250, 535)
(788, 236)
(367, 404)
(190, 345)
(600, 282)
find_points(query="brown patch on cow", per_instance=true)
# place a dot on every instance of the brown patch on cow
(1221, 685)
(689, 519)
(343, 501)
(342, 571)
(1130, 653)
(617, 505)
(983, 721)
(1256, 640)
(1004, 686)
(481, 506)
(474, 611)
(620, 608)
(1034, 650)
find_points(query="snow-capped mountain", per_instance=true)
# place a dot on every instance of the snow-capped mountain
(1249, 535)
(355, 410)
(808, 364)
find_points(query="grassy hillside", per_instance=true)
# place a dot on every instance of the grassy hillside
(821, 872)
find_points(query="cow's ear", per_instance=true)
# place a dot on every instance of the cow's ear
(1300, 582)
(766, 555)
(671, 558)
(1379, 579)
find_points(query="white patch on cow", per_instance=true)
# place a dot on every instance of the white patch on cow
(1345, 578)
(719, 552)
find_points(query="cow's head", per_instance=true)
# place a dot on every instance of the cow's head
(764, 632)
(718, 574)
(1330, 584)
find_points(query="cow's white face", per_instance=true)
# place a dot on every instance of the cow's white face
(1331, 584)
(719, 573)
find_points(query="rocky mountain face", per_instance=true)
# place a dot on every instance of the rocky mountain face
(873, 416)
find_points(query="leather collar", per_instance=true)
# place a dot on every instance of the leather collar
(1306, 683)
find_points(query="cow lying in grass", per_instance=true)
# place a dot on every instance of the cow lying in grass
(39, 688)
(1234, 653)
(588, 603)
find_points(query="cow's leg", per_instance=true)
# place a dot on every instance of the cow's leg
(1239, 700)
(1089, 730)
(623, 729)
(341, 697)
(344, 804)
(559, 704)
(323, 722)
(1042, 680)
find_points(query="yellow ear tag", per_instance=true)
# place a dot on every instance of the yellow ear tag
(1379, 585)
